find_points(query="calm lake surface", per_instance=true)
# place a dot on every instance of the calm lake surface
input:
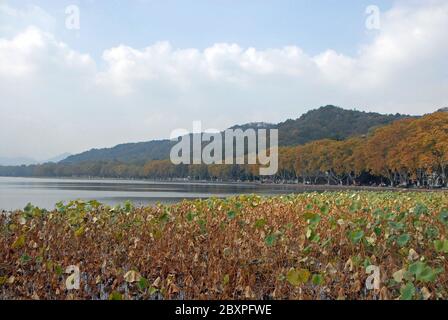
(15, 193)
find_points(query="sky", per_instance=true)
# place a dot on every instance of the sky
(136, 70)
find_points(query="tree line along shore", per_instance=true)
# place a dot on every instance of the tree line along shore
(410, 152)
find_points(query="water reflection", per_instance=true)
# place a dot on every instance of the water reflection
(15, 193)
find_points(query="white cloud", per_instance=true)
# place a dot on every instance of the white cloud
(29, 54)
(55, 99)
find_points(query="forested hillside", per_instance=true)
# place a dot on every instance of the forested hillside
(410, 151)
(406, 152)
(331, 122)
(137, 153)
(328, 122)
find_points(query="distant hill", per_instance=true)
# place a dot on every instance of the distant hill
(19, 161)
(137, 153)
(16, 161)
(331, 122)
(255, 125)
(326, 122)
(57, 158)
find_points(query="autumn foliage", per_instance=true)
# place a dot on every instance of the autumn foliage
(307, 246)
(410, 151)
(407, 152)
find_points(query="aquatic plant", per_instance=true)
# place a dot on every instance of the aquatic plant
(306, 246)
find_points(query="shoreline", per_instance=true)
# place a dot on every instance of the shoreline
(292, 186)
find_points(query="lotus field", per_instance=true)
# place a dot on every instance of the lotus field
(338, 245)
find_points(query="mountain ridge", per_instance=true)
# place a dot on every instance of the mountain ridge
(18, 161)
(326, 122)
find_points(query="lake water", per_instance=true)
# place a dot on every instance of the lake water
(15, 193)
